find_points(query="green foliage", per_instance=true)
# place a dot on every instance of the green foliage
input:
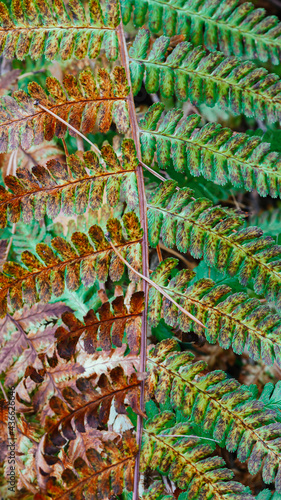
(213, 233)
(234, 28)
(230, 318)
(189, 73)
(221, 406)
(36, 28)
(212, 151)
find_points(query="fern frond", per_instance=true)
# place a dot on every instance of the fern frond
(71, 188)
(271, 397)
(84, 105)
(156, 492)
(212, 151)
(230, 318)
(86, 402)
(211, 232)
(58, 29)
(86, 260)
(107, 463)
(235, 29)
(221, 407)
(102, 329)
(268, 495)
(190, 73)
(188, 461)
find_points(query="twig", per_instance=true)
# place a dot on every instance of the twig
(65, 147)
(4, 393)
(159, 253)
(154, 285)
(96, 149)
(29, 156)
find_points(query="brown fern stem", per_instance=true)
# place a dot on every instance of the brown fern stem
(145, 261)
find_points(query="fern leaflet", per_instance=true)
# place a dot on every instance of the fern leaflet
(187, 461)
(235, 29)
(212, 151)
(71, 188)
(87, 260)
(213, 79)
(58, 29)
(210, 232)
(102, 329)
(230, 318)
(220, 406)
(82, 106)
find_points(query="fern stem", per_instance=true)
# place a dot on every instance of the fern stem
(96, 149)
(145, 259)
(157, 287)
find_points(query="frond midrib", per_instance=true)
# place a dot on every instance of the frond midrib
(275, 100)
(192, 141)
(263, 38)
(221, 236)
(218, 404)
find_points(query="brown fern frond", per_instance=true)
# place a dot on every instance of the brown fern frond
(86, 260)
(104, 328)
(70, 188)
(106, 469)
(83, 105)
(85, 402)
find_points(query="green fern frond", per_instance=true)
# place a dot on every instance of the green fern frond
(211, 232)
(84, 182)
(234, 28)
(188, 461)
(156, 492)
(84, 261)
(212, 151)
(230, 318)
(221, 407)
(190, 73)
(58, 29)
(271, 397)
(268, 495)
(84, 105)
